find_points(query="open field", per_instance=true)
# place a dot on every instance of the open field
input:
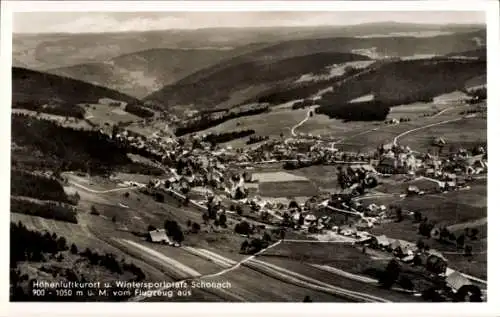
(227, 245)
(323, 125)
(440, 208)
(277, 177)
(258, 287)
(139, 178)
(464, 133)
(337, 280)
(95, 183)
(287, 189)
(414, 111)
(475, 265)
(266, 124)
(323, 176)
(316, 252)
(385, 133)
(73, 233)
(172, 267)
(401, 187)
(101, 114)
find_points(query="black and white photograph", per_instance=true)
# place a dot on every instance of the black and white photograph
(251, 156)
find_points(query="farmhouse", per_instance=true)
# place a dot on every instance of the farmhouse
(159, 236)
(382, 241)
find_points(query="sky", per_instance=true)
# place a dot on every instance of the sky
(95, 22)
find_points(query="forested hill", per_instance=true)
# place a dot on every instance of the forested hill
(29, 86)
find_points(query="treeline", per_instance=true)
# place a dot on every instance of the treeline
(227, 136)
(256, 139)
(48, 210)
(27, 245)
(478, 94)
(206, 121)
(55, 108)
(364, 111)
(139, 111)
(23, 183)
(110, 262)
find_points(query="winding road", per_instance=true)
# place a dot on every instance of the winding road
(396, 138)
(308, 115)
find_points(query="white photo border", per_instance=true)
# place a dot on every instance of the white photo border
(491, 308)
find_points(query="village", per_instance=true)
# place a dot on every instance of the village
(221, 180)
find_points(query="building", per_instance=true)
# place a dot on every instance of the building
(456, 280)
(309, 219)
(382, 241)
(387, 165)
(159, 236)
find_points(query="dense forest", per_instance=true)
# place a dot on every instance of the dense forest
(48, 210)
(139, 111)
(364, 111)
(215, 138)
(26, 184)
(206, 121)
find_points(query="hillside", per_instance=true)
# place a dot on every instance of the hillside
(237, 83)
(193, 88)
(37, 88)
(139, 74)
(399, 83)
(46, 145)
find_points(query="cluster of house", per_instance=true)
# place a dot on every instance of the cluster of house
(397, 159)
(301, 150)
(156, 143)
(408, 252)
